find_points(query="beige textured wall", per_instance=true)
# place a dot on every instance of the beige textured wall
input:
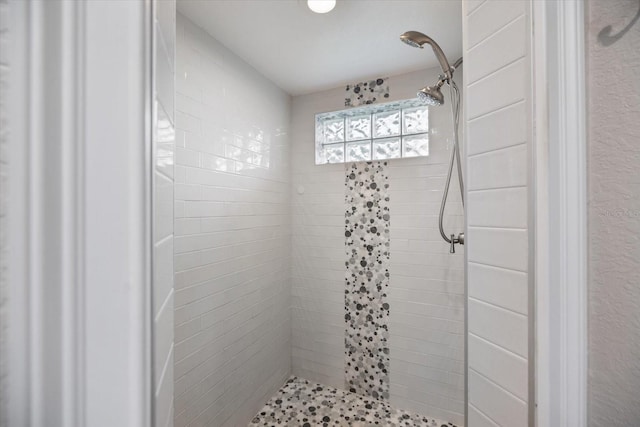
(4, 200)
(613, 63)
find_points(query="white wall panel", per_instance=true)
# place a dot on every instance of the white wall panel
(496, 45)
(500, 365)
(499, 405)
(498, 325)
(498, 90)
(500, 129)
(164, 151)
(505, 207)
(489, 18)
(500, 247)
(500, 49)
(498, 169)
(499, 286)
(478, 419)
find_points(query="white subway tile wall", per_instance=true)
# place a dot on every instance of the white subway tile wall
(233, 235)
(498, 84)
(426, 284)
(164, 153)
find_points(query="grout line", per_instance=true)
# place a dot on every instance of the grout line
(165, 368)
(494, 72)
(488, 190)
(164, 304)
(485, 415)
(497, 110)
(511, 353)
(499, 308)
(497, 266)
(498, 385)
(502, 187)
(493, 150)
(469, 48)
(163, 240)
(476, 8)
(492, 227)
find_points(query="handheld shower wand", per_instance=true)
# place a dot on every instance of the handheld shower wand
(417, 39)
(432, 95)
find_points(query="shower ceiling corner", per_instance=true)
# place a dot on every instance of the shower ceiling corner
(272, 36)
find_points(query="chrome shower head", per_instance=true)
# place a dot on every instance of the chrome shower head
(432, 95)
(417, 39)
(412, 38)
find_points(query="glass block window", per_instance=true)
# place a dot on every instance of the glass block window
(373, 132)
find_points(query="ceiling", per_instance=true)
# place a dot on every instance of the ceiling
(304, 52)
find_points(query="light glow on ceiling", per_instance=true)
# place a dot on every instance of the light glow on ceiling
(321, 6)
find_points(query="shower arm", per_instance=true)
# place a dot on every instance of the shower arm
(456, 64)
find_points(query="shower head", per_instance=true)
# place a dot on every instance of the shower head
(417, 39)
(413, 39)
(432, 95)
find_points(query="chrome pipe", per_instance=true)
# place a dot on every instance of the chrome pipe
(455, 158)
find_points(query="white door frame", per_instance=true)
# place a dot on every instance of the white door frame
(78, 214)
(558, 48)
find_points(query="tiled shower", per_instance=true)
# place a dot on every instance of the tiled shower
(262, 255)
(426, 283)
(233, 240)
(223, 213)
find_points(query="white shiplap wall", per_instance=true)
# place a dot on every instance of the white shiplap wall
(232, 244)
(164, 149)
(497, 74)
(426, 284)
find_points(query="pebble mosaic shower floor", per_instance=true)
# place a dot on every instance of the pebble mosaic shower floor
(301, 403)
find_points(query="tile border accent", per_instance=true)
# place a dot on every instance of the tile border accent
(367, 244)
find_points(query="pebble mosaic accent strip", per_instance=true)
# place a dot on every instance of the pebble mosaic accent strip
(300, 403)
(367, 280)
(364, 93)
